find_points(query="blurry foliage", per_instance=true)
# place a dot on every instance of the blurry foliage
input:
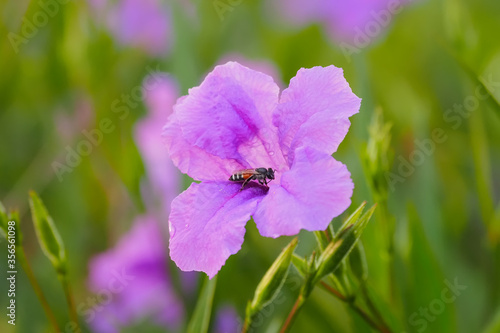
(409, 72)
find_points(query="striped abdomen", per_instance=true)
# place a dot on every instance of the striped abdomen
(242, 175)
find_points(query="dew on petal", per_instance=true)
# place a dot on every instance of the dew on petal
(271, 153)
(171, 230)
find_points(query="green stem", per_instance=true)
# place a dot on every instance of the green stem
(372, 307)
(69, 298)
(382, 327)
(246, 326)
(327, 235)
(293, 313)
(481, 159)
(385, 218)
(21, 257)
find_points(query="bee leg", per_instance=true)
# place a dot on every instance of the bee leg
(245, 183)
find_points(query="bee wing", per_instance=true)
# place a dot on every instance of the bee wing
(247, 171)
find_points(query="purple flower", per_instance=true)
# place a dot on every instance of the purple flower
(343, 19)
(139, 23)
(131, 282)
(236, 120)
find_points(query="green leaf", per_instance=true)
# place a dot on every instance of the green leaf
(494, 324)
(201, 317)
(494, 227)
(422, 269)
(47, 234)
(480, 81)
(482, 169)
(272, 281)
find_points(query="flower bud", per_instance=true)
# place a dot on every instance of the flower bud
(378, 157)
(342, 245)
(272, 281)
(47, 234)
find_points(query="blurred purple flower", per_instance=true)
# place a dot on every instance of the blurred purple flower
(235, 120)
(70, 125)
(139, 23)
(343, 19)
(160, 93)
(134, 278)
(227, 320)
(262, 65)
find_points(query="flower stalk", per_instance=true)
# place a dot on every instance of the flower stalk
(330, 263)
(21, 258)
(69, 298)
(53, 247)
(381, 327)
(293, 313)
(377, 162)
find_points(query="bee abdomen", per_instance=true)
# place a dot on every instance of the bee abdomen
(236, 177)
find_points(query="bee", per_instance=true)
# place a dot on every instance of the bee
(262, 175)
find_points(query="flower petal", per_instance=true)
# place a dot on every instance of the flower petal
(314, 111)
(192, 160)
(207, 224)
(228, 118)
(316, 189)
